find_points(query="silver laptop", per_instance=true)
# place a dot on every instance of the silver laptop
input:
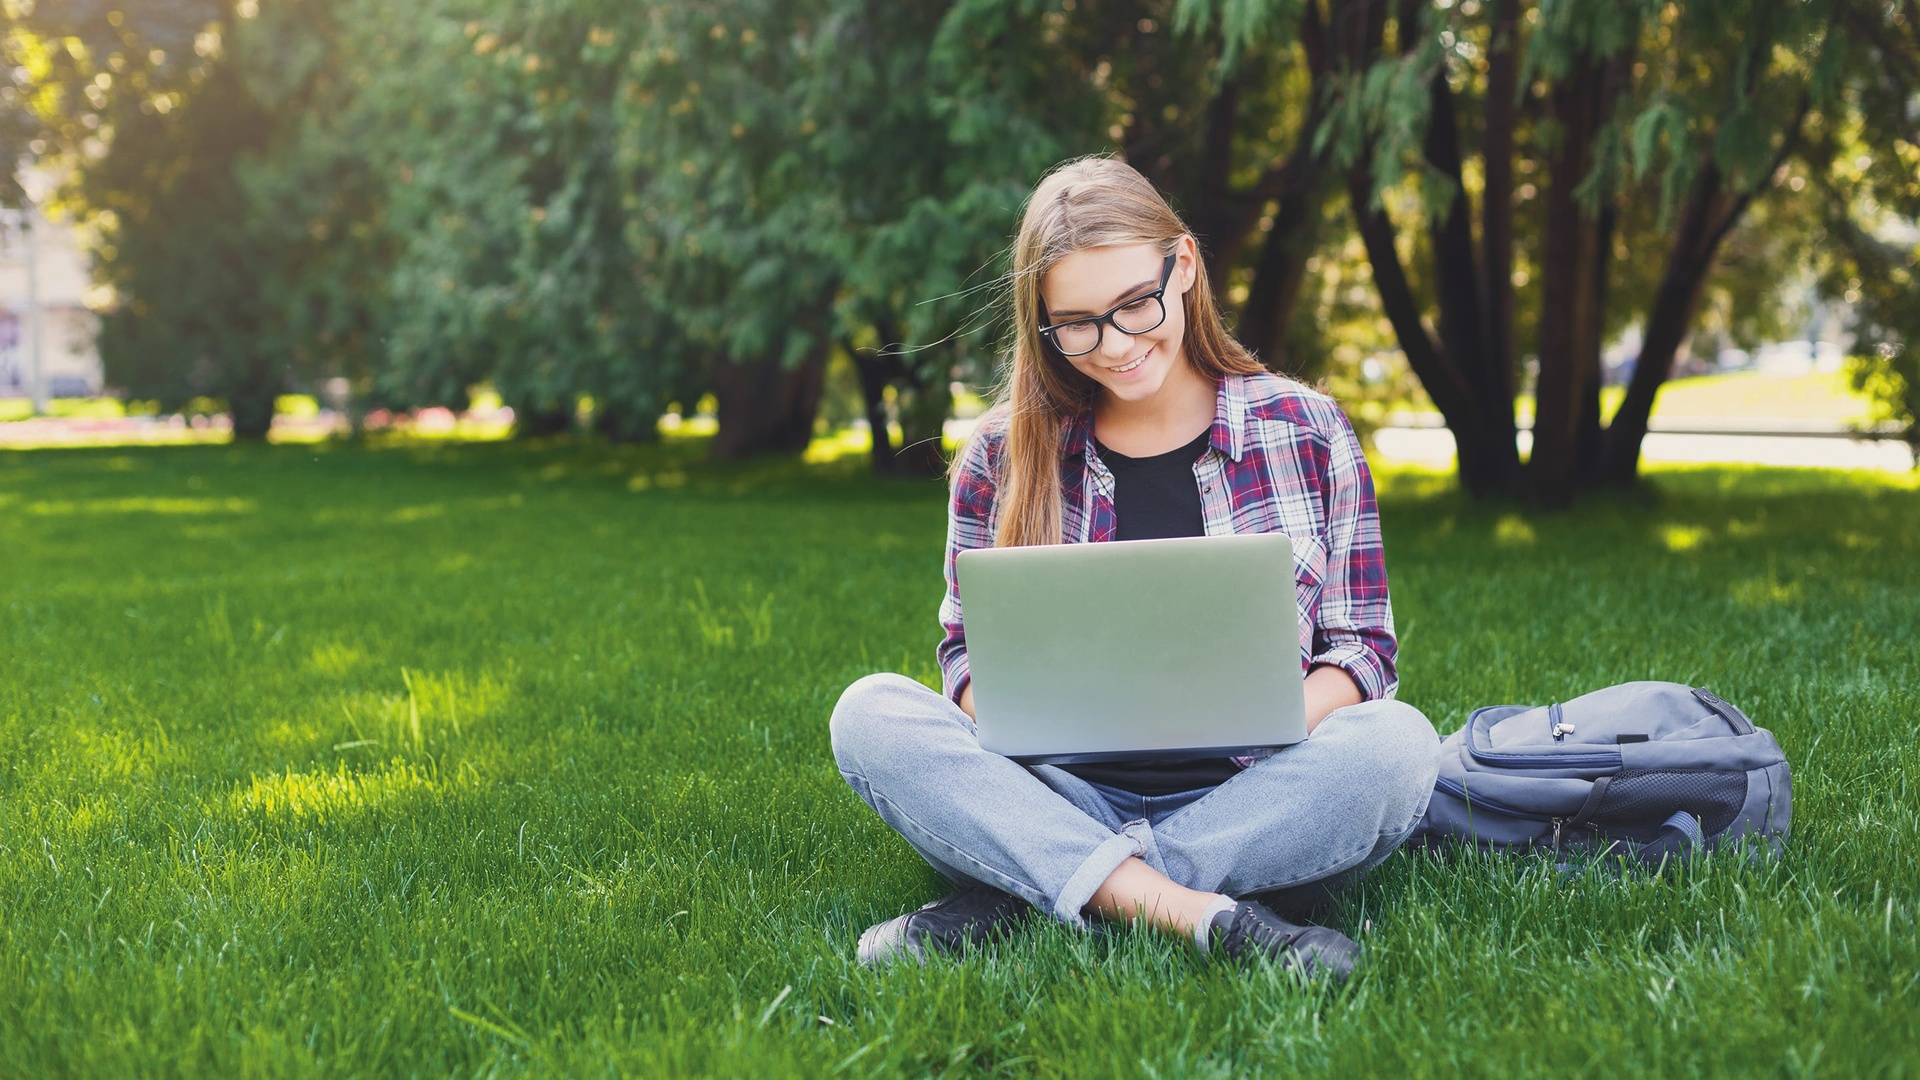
(1167, 649)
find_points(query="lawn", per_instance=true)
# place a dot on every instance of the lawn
(1818, 395)
(487, 759)
(1826, 396)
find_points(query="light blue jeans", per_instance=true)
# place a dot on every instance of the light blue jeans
(1298, 824)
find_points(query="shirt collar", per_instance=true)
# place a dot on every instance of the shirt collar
(1230, 417)
(1229, 423)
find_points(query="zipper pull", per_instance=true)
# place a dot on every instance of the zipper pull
(1557, 822)
(1561, 730)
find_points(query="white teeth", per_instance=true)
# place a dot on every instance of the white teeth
(1130, 367)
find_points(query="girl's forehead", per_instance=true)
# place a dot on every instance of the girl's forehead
(1092, 279)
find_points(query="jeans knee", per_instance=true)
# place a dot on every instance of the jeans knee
(1406, 752)
(866, 718)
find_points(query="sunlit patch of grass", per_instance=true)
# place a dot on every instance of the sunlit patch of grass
(1512, 530)
(336, 658)
(407, 515)
(674, 424)
(1858, 541)
(395, 786)
(118, 754)
(1414, 482)
(1767, 591)
(141, 505)
(842, 442)
(668, 479)
(1680, 538)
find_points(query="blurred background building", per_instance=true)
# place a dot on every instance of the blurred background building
(43, 270)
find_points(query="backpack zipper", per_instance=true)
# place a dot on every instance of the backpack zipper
(1459, 791)
(1547, 761)
(1601, 759)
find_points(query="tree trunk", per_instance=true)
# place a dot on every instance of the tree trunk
(1218, 215)
(1711, 213)
(1588, 438)
(1278, 278)
(1496, 200)
(923, 418)
(1668, 322)
(1569, 348)
(877, 368)
(1280, 271)
(1482, 426)
(538, 420)
(766, 407)
(623, 424)
(923, 396)
(252, 412)
(1487, 459)
(1456, 275)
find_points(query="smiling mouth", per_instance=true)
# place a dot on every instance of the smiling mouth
(1124, 368)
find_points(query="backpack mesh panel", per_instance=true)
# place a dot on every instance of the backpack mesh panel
(1640, 801)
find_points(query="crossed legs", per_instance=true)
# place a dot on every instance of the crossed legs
(1323, 809)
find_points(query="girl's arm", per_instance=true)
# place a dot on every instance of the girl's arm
(1353, 629)
(969, 525)
(1328, 688)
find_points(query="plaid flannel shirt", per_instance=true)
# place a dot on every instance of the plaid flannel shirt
(1282, 458)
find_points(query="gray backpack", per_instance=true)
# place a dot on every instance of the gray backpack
(1647, 770)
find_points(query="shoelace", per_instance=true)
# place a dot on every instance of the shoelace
(1259, 932)
(998, 903)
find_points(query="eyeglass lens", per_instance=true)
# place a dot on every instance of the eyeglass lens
(1083, 336)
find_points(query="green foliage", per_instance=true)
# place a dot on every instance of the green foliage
(194, 278)
(584, 200)
(68, 63)
(1870, 258)
(829, 169)
(495, 128)
(180, 128)
(400, 762)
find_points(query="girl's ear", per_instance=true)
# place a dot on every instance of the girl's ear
(1187, 267)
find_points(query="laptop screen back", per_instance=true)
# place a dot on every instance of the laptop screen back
(1174, 648)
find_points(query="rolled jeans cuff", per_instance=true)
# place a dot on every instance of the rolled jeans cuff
(1077, 893)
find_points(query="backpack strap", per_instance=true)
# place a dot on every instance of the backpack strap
(1584, 816)
(1680, 838)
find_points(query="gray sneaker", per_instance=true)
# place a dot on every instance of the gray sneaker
(1252, 929)
(969, 916)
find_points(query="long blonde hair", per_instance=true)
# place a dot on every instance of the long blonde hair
(1089, 202)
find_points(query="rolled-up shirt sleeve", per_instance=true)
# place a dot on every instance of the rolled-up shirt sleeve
(1354, 627)
(969, 525)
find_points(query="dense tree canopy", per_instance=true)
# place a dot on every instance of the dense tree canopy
(601, 208)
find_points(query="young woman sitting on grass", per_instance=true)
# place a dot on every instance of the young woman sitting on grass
(1130, 413)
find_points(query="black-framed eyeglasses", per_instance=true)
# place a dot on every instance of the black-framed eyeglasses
(1136, 316)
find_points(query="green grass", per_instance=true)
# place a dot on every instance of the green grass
(485, 759)
(1819, 395)
(1744, 395)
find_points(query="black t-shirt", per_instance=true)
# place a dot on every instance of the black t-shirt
(1153, 498)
